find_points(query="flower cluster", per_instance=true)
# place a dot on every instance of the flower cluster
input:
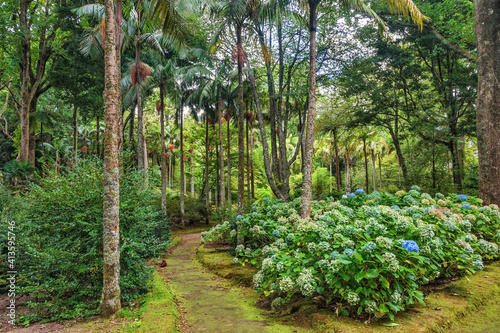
(410, 246)
(392, 262)
(352, 298)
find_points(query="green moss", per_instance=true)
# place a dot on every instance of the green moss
(159, 312)
(214, 304)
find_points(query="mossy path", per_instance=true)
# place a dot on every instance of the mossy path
(210, 303)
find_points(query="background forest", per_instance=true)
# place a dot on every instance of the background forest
(214, 102)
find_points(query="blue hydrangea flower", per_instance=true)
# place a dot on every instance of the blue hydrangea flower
(276, 233)
(334, 255)
(395, 207)
(350, 195)
(348, 252)
(466, 205)
(239, 218)
(416, 188)
(266, 200)
(273, 286)
(462, 197)
(410, 246)
(360, 191)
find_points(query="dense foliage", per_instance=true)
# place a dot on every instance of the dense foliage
(369, 252)
(59, 228)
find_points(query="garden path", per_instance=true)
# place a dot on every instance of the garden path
(210, 303)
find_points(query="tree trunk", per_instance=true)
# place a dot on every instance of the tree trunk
(25, 80)
(248, 164)
(207, 190)
(217, 174)
(265, 148)
(182, 176)
(192, 177)
(251, 165)
(118, 36)
(309, 144)
(241, 129)
(380, 169)
(337, 161)
(163, 153)
(486, 27)
(110, 300)
(455, 160)
(141, 160)
(374, 171)
(221, 151)
(228, 119)
(367, 181)
(347, 174)
(131, 126)
(170, 169)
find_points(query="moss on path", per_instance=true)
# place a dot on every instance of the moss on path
(210, 303)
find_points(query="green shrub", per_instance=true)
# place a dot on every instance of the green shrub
(60, 240)
(195, 210)
(369, 253)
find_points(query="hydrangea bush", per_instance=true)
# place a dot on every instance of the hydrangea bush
(369, 252)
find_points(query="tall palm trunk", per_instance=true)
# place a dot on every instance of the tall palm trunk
(217, 172)
(229, 199)
(192, 176)
(141, 161)
(251, 165)
(241, 120)
(163, 153)
(367, 180)
(347, 174)
(221, 150)
(309, 143)
(170, 169)
(337, 160)
(182, 176)
(374, 171)
(207, 190)
(110, 300)
(131, 126)
(248, 163)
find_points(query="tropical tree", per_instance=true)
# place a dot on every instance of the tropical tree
(110, 300)
(403, 7)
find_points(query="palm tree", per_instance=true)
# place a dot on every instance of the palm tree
(400, 7)
(140, 33)
(236, 13)
(110, 300)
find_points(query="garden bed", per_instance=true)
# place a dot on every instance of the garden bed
(365, 256)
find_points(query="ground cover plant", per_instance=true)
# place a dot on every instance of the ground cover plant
(60, 221)
(369, 254)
